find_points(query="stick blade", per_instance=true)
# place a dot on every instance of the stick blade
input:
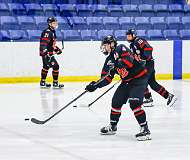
(36, 121)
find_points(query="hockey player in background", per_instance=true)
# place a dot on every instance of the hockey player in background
(134, 82)
(48, 49)
(143, 52)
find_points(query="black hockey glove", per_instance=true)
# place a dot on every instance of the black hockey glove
(91, 87)
(57, 50)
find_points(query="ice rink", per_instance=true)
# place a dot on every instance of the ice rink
(74, 133)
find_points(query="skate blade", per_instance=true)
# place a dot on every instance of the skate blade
(113, 133)
(44, 87)
(144, 138)
(58, 87)
(148, 104)
(172, 102)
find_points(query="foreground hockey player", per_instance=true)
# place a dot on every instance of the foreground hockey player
(143, 52)
(48, 49)
(134, 79)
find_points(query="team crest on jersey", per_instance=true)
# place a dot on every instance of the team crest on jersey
(116, 55)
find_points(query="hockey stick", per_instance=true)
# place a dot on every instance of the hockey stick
(103, 94)
(34, 120)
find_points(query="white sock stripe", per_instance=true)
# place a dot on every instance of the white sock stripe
(116, 110)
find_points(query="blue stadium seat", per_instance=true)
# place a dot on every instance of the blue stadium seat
(176, 10)
(136, 1)
(115, 10)
(63, 23)
(161, 10)
(71, 35)
(143, 23)
(18, 35)
(4, 35)
(78, 22)
(158, 23)
(9, 22)
(131, 10)
(95, 23)
(185, 34)
(34, 9)
(120, 35)
(84, 10)
(148, 1)
(141, 33)
(88, 35)
(50, 9)
(67, 10)
(124, 2)
(174, 23)
(104, 33)
(187, 10)
(4, 10)
(100, 10)
(186, 22)
(126, 23)
(41, 22)
(162, 1)
(17, 9)
(111, 23)
(171, 34)
(26, 22)
(34, 35)
(146, 10)
(155, 35)
(59, 35)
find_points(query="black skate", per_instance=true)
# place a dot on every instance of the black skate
(56, 85)
(148, 102)
(44, 84)
(108, 130)
(144, 134)
(171, 100)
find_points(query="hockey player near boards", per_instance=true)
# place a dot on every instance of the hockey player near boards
(143, 52)
(48, 49)
(134, 80)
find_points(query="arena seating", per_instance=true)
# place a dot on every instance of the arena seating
(23, 20)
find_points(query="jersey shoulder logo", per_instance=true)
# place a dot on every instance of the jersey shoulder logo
(140, 41)
(116, 55)
(123, 49)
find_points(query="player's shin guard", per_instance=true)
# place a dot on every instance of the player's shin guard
(55, 74)
(114, 119)
(147, 94)
(163, 92)
(44, 73)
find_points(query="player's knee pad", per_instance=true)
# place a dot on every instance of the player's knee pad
(135, 102)
(45, 67)
(56, 67)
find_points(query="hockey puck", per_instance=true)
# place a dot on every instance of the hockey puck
(75, 106)
(26, 119)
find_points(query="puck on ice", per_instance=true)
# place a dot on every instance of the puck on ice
(26, 119)
(74, 106)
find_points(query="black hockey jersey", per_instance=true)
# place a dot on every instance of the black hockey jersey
(140, 47)
(47, 42)
(125, 65)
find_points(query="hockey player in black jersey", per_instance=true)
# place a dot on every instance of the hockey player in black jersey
(48, 49)
(134, 80)
(143, 53)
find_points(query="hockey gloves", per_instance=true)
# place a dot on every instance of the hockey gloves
(57, 50)
(91, 87)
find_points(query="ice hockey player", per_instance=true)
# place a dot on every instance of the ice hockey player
(48, 49)
(143, 52)
(121, 61)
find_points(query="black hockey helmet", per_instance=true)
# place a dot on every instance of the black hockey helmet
(109, 40)
(51, 19)
(131, 32)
